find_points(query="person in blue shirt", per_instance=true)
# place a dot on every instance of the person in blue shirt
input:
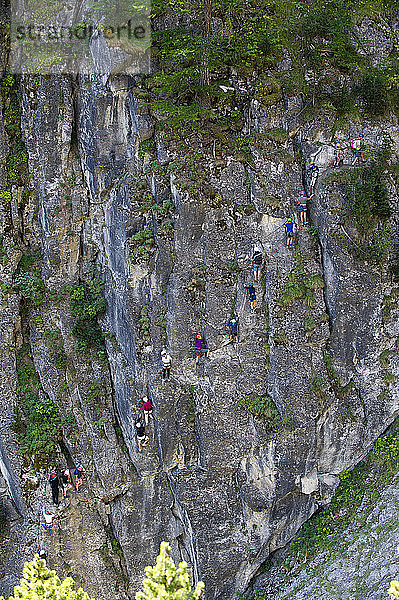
(289, 230)
(251, 295)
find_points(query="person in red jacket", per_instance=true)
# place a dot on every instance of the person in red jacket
(146, 407)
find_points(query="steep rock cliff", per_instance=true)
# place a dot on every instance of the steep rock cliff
(224, 486)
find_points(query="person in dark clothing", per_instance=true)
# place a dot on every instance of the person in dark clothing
(78, 472)
(257, 261)
(357, 147)
(251, 294)
(42, 553)
(233, 325)
(338, 155)
(66, 481)
(54, 483)
(142, 438)
(200, 347)
(312, 174)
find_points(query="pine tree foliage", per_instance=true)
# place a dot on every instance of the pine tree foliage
(39, 583)
(165, 582)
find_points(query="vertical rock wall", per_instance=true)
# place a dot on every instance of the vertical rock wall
(223, 486)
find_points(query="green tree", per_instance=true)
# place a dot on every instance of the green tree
(166, 582)
(38, 582)
(394, 589)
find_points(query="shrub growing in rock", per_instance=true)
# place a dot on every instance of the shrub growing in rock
(260, 406)
(369, 203)
(87, 304)
(166, 582)
(39, 582)
(30, 286)
(141, 246)
(37, 423)
(374, 91)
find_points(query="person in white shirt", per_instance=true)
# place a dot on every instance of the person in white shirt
(166, 364)
(48, 518)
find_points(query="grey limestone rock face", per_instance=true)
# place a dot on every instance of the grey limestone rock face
(222, 485)
(361, 564)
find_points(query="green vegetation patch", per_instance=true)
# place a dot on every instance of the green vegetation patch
(268, 91)
(300, 286)
(161, 323)
(261, 406)
(97, 394)
(369, 204)
(53, 341)
(27, 281)
(4, 523)
(280, 337)
(339, 390)
(369, 211)
(3, 251)
(37, 422)
(87, 304)
(141, 246)
(30, 286)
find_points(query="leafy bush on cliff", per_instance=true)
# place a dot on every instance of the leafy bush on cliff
(261, 406)
(370, 201)
(141, 245)
(166, 582)
(87, 303)
(38, 582)
(30, 286)
(37, 423)
(162, 582)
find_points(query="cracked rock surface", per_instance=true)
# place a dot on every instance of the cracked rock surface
(225, 487)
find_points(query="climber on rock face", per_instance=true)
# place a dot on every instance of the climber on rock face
(302, 201)
(233, 324)
(251, 293)
(338, 155)
(66, 481)
(200, 347)
(257, 261)
(48, 521)
(357, 147)
(142, 438)
(289, 230)
(54, 483)
(303, 207)
(146, 407)
(78, 472)
(42, 553)
(312, 174)
(166, 364)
